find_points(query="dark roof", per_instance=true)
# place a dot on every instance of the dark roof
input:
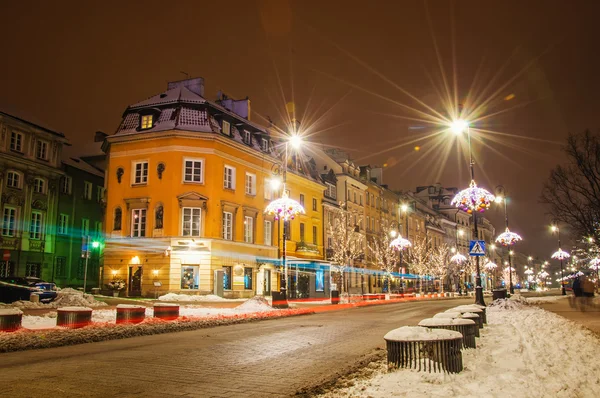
(34, 124)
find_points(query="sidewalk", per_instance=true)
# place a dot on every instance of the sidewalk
(590, 318)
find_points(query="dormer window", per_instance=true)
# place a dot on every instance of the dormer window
(226, 128)
(247, 137)
(146, 122)
(265, 145)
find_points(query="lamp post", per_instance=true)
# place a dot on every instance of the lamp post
(560, 255)
(472, 200)
(285, 208)
(506, 238)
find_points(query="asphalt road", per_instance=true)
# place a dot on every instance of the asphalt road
(261, 359)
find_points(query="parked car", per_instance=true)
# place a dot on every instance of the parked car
(20, 288)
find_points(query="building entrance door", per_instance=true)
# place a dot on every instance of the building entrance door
(267, 282)
(134, 285)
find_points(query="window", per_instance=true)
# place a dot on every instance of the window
(13, 179)
(248, 278)
(191, 221)
(247, 137)
(16, 141)
(98, 229)
(39, 185)
(87, 190)
(373, 224)
(100, 194)
(315, 240)
(360, 199)
(9, 221)
(117, 219)
(85, 227)
(138, 223)
(330, 191)
(320, 280)
(140, 173)
(287, 233)
(63, 224)
(268, 233)
(229, 177)
(227, 225)
(61, 267)
(33, 269)
(349, 196)
(265, 145)
(354, 197)
(250, 184)
(193, 170)
(368, 223)
(314, 204)
(301, 232)
(367, 199)
(35, 228)
(226, 127)
(227, 277)
(41, 150)
(248, 229)
(268, 189)
(65, 185)
(302, 200)
(190, 277)
(146, 122)
(329, 242)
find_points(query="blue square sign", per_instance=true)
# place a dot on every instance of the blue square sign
(477, 248)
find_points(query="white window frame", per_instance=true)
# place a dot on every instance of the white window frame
(227, 225)
(143, 179)
(88, 187)
(193, 169)
(265, 145)
(85, 227)
(99, 194)
(331, 190)
(18, 141)
(250, 184)
(247, 137)
(39, 185)
(229, 178)
(41, 146)
(146, 122)
(268, 189)
(63, 224)
(66, 184)
(19, 179)
(226, 129)
(191, 214)
(248, 229)
(138, 228)
(315, 204)
(268, 233)
(9, 224)
(36, 225)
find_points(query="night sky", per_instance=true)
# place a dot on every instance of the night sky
(349, 66)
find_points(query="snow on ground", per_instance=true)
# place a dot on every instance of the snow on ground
(545, 299)
(194, 297)
(66, 298)
(523, 351)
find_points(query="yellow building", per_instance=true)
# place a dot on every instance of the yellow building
(187, 183)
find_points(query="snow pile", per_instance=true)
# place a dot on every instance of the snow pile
(255, 304)
(414, 333)
(524, 351)
(66, 298)
(196, 297)
(545, 300)
(507, 304)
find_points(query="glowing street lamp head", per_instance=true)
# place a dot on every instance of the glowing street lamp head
(404, 208)
(95, 244)
(458, 126)
(554, 228)
(296, 141)
(393, 233)
(499, 199)
(275, 183)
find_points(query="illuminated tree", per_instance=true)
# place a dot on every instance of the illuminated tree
(440, 266)
(419, 259)
(386, 256)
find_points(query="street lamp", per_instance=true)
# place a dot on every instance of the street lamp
(285, 209)
(472, 200)
(506, 238)
(560, 255)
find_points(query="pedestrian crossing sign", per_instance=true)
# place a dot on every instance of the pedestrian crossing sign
(477, 248)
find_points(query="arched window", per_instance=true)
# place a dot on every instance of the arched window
(39, 185)
(117, 219)
(14, 179)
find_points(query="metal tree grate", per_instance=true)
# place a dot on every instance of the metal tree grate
(429, 355)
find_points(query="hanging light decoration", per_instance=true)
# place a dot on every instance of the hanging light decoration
(284, 208)
(473, 199)
(508, 238)
(458, 258)
(529, 271)
(543, 274)
(560, 255)
(490, 265)
(400, 243)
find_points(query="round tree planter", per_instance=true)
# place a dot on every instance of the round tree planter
(130, 313)
(424, 349)
(10, 319)
(74, 317)
(466, 327)
(476, 309)
(168, 312)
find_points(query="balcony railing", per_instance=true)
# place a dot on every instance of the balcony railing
(307, 247)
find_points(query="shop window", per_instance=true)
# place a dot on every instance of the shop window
(227, 272)
(190, 279)
(320, 280)
(248, 278)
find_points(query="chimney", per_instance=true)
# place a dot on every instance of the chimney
(241, 108)
(195, 85)
(100, 136)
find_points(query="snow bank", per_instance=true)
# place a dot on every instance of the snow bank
(508, 304)
(255, 304)
(523, 352)
(66, 298)
(195, 297)
(545, 300)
